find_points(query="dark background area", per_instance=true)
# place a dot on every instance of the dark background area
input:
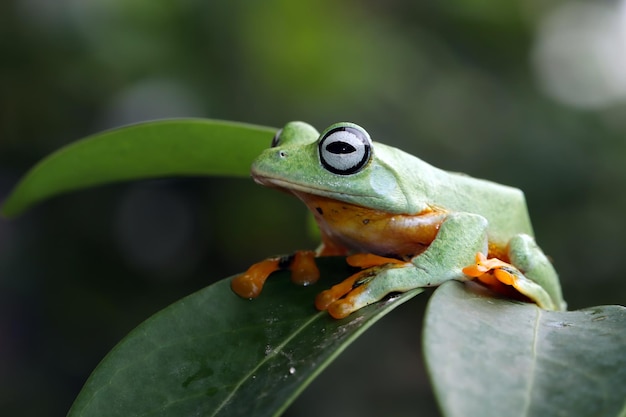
(526, 93)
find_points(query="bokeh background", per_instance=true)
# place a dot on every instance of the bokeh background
(530, 93)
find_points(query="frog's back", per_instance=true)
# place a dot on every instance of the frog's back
(504, 207)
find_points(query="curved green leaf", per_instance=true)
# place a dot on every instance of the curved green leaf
(215, 354)
(175, 147)
(493, 357)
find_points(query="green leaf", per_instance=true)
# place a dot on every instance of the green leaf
(215, 354)
(165, 148)
(493, 357)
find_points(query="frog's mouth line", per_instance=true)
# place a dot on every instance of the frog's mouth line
(295, 188)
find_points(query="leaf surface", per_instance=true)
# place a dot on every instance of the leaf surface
(495, 357)
(164, 148)
(215, 354)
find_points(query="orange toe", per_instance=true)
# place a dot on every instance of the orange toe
(304, 271)
(504, 276)
(368, 260)
(250, 283)
(334, 293)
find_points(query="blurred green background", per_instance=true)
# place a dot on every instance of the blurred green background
(526, 93)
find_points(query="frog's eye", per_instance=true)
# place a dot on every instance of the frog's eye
(276, 139)
(345, 150)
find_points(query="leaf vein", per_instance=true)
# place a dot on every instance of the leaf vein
(275, 352)
(533, 368)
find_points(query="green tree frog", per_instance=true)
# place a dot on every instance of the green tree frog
(402, 222)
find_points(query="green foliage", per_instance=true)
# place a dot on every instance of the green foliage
(495, 357)
(214, 353)
(177, 147)
(458, 83)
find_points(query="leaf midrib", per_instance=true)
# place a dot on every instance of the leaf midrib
(274, 352)
(533, 369)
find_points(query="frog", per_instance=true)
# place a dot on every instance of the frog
(401, 222)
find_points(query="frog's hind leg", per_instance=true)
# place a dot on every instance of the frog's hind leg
(527, 256)
(528, 270)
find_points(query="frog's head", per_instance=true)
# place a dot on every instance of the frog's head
(341, 163)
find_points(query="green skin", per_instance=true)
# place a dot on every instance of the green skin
(390, 180)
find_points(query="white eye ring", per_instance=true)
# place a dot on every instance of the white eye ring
(276, 139)
(345, 150)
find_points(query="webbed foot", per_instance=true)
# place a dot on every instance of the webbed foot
(340, 299)
(502, 277)
(302, 265)
(343, 298)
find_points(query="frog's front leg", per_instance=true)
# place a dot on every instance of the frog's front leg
(460, 237)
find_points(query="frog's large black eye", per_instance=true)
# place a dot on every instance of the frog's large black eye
(276, 139)
(345, 150)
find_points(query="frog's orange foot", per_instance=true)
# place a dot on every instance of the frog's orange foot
(339, 300)
(304, 271)
(326, 298)
(344, 307)
(250, 283)
(302, 265)
(492, 272)
(368, 260)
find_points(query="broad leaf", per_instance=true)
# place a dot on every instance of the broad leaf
(162, 148)
(493, 357)
(215, 354)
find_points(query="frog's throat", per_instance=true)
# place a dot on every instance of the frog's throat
(359, 229)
